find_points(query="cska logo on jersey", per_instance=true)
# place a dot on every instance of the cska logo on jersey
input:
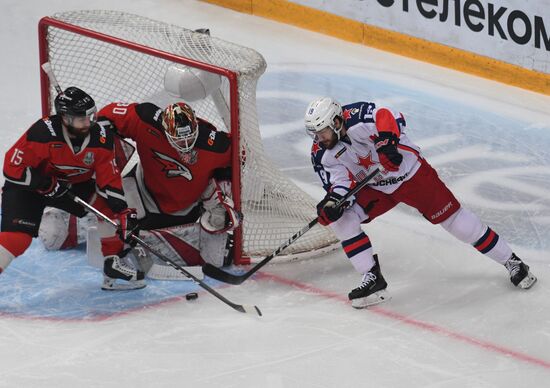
(172, 167)
(366, 161)
(315, 148)
(347, 113)
(70, 171)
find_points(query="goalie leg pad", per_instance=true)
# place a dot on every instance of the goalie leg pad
(189, 244)
(55, 229)
(62, 230)
(213, 247)
(186, 245)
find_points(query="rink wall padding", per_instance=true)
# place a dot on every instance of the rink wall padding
(391, 41)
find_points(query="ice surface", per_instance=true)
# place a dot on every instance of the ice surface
(454, 320)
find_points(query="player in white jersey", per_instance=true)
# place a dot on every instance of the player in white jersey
(353, 140)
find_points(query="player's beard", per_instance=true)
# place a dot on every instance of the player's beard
(329, 144)
(78, 133)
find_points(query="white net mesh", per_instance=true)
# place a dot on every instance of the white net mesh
(274, 208)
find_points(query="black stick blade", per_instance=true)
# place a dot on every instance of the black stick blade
(226, 277)
(248, 309)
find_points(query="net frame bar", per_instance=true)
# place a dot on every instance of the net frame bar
(231, 76)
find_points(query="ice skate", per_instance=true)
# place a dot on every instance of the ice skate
(115, 268)
(520, 276)
(372, 290)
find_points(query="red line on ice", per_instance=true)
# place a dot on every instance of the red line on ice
(411, 322)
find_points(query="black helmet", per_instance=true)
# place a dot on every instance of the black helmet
(74, 102)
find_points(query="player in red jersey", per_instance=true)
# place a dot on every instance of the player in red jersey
(179, 154)
(183, 175)
(64, 152)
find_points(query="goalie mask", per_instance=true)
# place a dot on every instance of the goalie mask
(321, 114)
(181, 126)
(77, 110)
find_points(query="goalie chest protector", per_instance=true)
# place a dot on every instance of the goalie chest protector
(175, 181)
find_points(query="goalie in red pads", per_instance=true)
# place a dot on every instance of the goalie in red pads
(179, 155)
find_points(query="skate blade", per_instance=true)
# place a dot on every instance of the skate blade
(371, 300)
(110, 284)
(528, 281)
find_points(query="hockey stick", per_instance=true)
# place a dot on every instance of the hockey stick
(226, 277)
(47, 67)
(167, 260)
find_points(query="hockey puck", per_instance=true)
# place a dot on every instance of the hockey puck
(191, 296)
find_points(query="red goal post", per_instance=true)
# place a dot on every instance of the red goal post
(116, 56)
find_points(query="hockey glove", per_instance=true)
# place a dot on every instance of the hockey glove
(327, 210)
(386, 146)
(55, 189)
(128, 224)
(219, 214)
(117, 205)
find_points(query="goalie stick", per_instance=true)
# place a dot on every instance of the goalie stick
(241, 308)
(226, 277)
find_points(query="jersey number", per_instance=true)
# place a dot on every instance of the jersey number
(324, 177)
(17, 157)
(121, 108)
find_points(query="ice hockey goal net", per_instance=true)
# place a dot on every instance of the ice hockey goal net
(116, 56)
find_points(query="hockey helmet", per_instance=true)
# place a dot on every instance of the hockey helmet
(76, 103)
(320, 114)
(181, 126)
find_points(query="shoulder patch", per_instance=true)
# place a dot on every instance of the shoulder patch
(358, 112)
(210, 139)
(317, 150)
(151, 114)
(100, 137)
(46, 130)
(339, 153)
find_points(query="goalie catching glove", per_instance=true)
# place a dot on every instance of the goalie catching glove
(219, 213)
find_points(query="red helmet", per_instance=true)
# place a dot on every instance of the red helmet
(181, 126)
